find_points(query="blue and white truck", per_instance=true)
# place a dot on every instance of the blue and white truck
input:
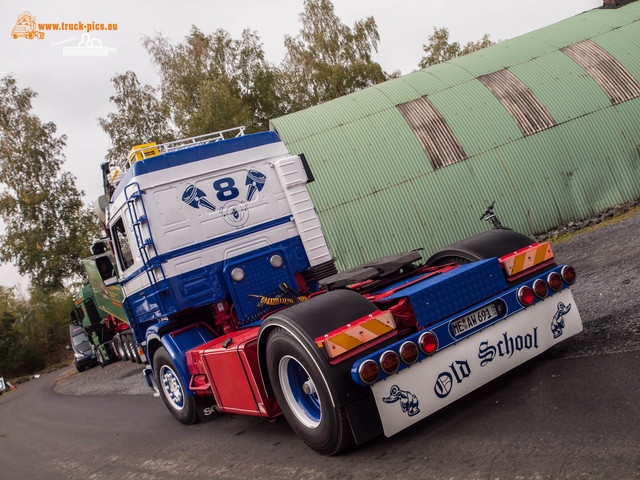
(232, 292)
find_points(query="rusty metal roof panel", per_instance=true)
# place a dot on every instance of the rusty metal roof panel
(561, 86)
(433, 132)
(622, 44)
(613, 78)
(525, 108)
(467, 108)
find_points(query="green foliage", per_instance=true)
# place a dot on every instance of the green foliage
(140, 117)
(440, 50)
(32, 330)
(328, 59)
(47, 229)
(213, 82)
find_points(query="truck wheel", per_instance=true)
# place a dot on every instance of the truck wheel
(117, 347)
(304, 397)
(125, 347)
(173, 392)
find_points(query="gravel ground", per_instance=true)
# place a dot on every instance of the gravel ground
(120, 378)
(606, 294)
(608, 266)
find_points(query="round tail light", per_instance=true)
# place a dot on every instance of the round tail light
(540, 288)
(428, 343)
(409, 353)
(569, 274)
(389, 362)
(526, 296)
(368, 371)
(555, 281)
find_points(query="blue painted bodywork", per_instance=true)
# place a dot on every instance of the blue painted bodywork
(177, 344)
(442, 329)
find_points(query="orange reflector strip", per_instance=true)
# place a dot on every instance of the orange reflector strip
(525, 258)
(356, 333)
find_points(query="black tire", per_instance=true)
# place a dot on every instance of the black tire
(99, 357)
(304, 397)
(125, 347)
(136, 354)
(172, 391)
(118, 348)
(451, 259)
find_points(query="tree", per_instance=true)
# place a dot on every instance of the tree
(140, 117)
(213, 82)
(440, 50)
(328, 59)
(47, 229)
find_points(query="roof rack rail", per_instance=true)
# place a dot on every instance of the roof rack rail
(150, 150)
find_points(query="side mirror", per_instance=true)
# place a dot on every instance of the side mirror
(68, 347)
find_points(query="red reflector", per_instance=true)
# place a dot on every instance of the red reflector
(525, 296)
(389, 362)
(569, 274)
(368, 371)
(555, 281)
(428, 343)
(540, 288)
(409, 352)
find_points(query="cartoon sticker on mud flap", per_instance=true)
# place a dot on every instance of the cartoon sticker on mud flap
(196, 198)
(408, 401)
(557, 324)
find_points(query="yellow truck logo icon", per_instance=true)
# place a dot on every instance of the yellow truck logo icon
(26, 27)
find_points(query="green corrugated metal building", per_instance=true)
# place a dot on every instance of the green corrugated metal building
(547, 124)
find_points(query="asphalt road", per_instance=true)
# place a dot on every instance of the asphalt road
(573, 412)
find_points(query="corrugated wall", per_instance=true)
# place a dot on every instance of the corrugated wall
(547, 124)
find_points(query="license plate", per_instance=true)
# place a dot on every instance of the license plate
(478, 317)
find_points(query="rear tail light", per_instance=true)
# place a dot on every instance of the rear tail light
(409, 353)
(555, 281)
(389, 362)
(428, 343)
(540, 288)
(526, 296)
(569, 274)
(368, 371)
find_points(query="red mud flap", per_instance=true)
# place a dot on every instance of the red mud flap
(437, 381)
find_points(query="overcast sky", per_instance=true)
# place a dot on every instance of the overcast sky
(73, 90)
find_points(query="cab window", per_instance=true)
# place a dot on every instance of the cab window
(123, 250)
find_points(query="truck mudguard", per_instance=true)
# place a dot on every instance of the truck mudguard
(307, 321)
(489, 244)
